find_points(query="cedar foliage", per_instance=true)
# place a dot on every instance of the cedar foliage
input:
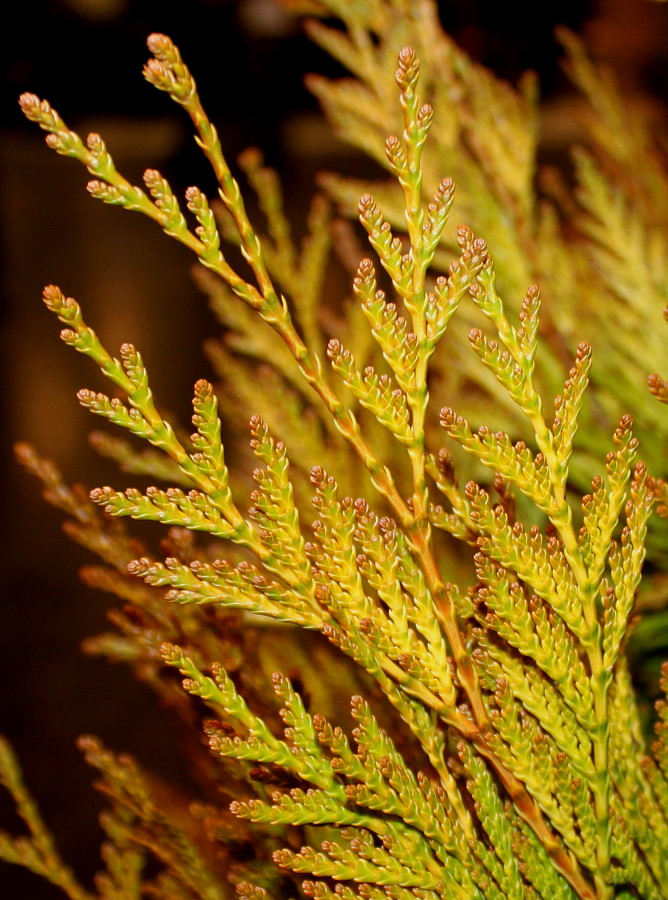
(459, 720)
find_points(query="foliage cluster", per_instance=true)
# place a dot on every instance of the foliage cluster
(463, 577)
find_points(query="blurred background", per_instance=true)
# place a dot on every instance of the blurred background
(85, 56)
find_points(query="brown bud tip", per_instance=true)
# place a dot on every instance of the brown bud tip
(87, 743)
(202, 387)
(98, 189)
(53, 297)
(366, 203)
(32, 107)
(464, 234)
(193, 193)
(139, 567)
(472, 489)
(157, 43)
(100, 495)
(333, 348)
(657, 386)
(28, 101)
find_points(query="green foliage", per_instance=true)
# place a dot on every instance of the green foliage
(492, 746)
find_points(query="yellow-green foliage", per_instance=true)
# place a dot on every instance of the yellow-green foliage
(605, 285)
(458, 720)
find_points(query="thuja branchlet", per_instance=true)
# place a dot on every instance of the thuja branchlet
(495, 748)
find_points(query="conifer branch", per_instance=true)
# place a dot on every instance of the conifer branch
(516, 690)
(36, 851)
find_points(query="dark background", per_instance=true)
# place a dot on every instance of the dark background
(86, 57)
